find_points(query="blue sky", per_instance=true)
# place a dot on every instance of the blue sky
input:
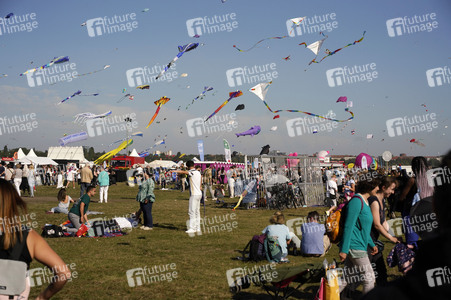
(399, 89)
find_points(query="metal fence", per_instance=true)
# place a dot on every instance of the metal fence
(285, 177)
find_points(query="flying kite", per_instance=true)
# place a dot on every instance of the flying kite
(160, 102)
(270, 38)
(342, 99)
(182, 49)
(265, 150)
(201, 95)
(296, 22)
(240, 107)
(424, 105)
(262, 88)
(139, 133)
(76, 137)
(276, 117)
(274, 128)
(160, 142)
(129, 96)
(9, 15)
(287, 58)
(315, 47)
(77, 93)
(83, 24)
(352, 132)
(145, 10)
(196, 36)
(369, 136)
(329, 53)
(112, 153)
(231, 96)
(349, 104)
(55, 60)
(417, 142)
(254, 130)
(96, 71)
(83, 117)
(3, 75)
(143, 87)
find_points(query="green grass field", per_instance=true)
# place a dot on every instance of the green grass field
(200, 262)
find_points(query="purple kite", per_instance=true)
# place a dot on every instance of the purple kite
(254, 130)
(342, 99)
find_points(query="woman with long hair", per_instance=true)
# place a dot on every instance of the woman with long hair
(12, 210)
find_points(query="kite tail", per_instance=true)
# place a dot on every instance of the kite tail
(154, 116)
(303, 43)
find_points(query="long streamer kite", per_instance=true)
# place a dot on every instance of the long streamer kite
(83, 117)
(160, 142)
(77, 93)
(182, 49)
(96, 71)
(139, 133)
(330, 53)
(129, 96)
(56, 60)
(160, 102)
(270, 38)
(201, 95)
(231, 96)
(261, 89)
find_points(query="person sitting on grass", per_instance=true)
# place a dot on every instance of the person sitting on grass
(77, 214)
(314, 241)
(219, 193)
(280, 230)
(64, 202)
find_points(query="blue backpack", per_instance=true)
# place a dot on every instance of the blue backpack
(272, 249)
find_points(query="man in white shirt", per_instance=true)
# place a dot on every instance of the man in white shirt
(332, 188)
(231, 175)
(195, 181)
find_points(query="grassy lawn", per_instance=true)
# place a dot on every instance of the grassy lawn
(200, 262)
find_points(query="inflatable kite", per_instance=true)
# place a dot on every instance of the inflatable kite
(182, 49)
(112, 153)
(231, 96)
(254, 130)
(72, 138)
(160, 102)
(56, 60)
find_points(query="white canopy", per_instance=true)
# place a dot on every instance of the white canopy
(31, 153)
(66, 153)
(134, 153)
(163, 164)
(20, 154)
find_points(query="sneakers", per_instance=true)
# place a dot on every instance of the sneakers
(146, 228)
(284, 260)
(190, 231)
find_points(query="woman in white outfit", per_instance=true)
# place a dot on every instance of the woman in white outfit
(17, 177)
(31, 179)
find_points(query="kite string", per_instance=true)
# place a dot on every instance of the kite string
(270, 38)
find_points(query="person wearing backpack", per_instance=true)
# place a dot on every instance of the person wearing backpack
(19, 246)
(278, 229)
(356, 236)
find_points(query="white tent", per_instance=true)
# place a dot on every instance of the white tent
(66, 153)
(20, 154)
(163, 164)
(134, 153)
(33, 158)
(31, 153)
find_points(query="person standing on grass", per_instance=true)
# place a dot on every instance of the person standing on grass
(195, 180)
(104, 183)
(146, 198)
(31, 180)
(77, 214)
(86, 178)
(17, 177)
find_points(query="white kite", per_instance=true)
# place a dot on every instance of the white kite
(260, 90)
(83, 117)
(274, 128)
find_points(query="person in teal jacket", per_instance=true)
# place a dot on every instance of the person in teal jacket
(146, 198)
(356, 237)
(104, 183)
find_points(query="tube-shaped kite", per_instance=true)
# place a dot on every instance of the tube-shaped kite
(160, 102)
(231, 96)
(56, 60)
(72, 138)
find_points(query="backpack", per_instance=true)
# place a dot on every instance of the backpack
(335, 223)
(273, 249)
(14, 272)
(257, 248)
(52, 231)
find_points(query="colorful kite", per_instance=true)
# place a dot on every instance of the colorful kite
(55, 60)
(201, 95)
(160, 102)
(262, 88)
(329, 53)
(139, 133)
(270, 38)
(352, 132)
(76, 137)
(160, 142)
(254, 130)
(129, 96)
(342, 99)
(83, 117)
(182, 49)
(296, 22)
(417, 142)
(287, 58)
(73, 95)
(231, 96)
(143, 87)
(276, 117)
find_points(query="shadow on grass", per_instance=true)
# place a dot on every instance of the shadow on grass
(168, 226)
(308, 293)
